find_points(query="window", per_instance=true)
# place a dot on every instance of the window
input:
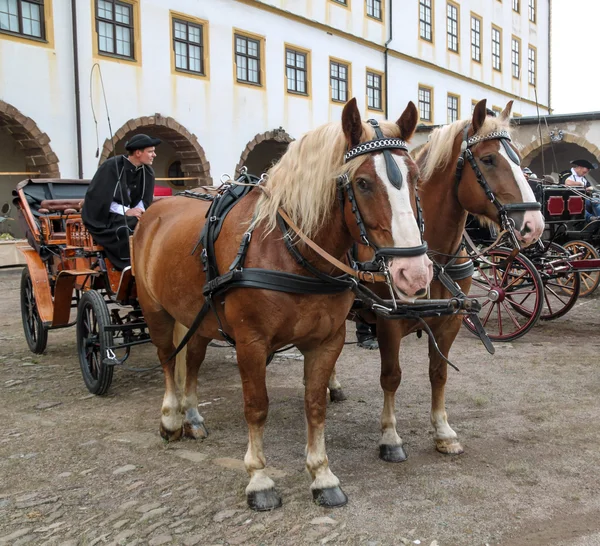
(531, 65)
(475, 38)
(176, 174)
(532, 11)
(339, 81)
(452, 27)
(114, 24)
(296, 71)
(189, 46)
(374, 9)
(516, 5)
(515, 55)
(453, 111)
(425, 31)
(247, 59)
(496, 49)
(343, 2)
(425, 112)
(22, 17)
(374, 90)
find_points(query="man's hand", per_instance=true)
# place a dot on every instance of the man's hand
(134, 212)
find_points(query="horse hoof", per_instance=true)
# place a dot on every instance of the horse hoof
(392, 453)
(337, 395)
(170, 435)
(264, 500)
(195, 431)
(449, 447)
(330, 497)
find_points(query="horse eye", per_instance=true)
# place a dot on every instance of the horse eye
(362, 184)
(488, 160)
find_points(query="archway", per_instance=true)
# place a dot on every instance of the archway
(24, 148)
(179, 147)
(263, 151)
(555, 157)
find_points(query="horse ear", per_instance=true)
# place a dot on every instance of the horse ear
(506, 112)
(479, 114)
(351, 123)
(407, 122)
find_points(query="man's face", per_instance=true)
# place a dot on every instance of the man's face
(581, 171)
(146, 156)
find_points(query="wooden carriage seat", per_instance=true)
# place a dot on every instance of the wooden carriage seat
(64, 206)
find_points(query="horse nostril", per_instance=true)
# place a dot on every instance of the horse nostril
(421, 293)
(527, 229)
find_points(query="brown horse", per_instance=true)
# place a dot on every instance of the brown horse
(446, 197)
(305, 184)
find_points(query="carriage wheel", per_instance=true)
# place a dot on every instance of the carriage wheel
(36, 334)
(585, 251)
(93, 341)
(502, 288)
(561, 290)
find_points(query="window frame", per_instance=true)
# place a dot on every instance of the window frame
(456, 6)
(348, 65)
(515, 40)
(307, 69)
(532, 9)
(532, 49)
(429, 89)
(132, 34)
(183, 17)
(479, 19)
(455, 97)
(202, 71)
(430, 6)
(20, 34)
(381, 10)
(260, 40)
(499, 31)
(381, 76)
(518, 4)
(341, 3)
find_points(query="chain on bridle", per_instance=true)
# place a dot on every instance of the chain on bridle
(383, 144)
(467, 156)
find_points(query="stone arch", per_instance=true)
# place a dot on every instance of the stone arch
(182, 146)
(529, 152)
(39, 157)
(263, 150)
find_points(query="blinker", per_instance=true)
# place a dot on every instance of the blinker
(510, 152)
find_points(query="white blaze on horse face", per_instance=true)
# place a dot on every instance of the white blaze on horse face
(410, 274)
(533, 220)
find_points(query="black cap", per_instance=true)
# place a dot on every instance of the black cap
(141, 142)
(584, 163)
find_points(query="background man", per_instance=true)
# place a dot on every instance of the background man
(120, 192)
(576, 178)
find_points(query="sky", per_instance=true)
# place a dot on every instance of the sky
(575, 44)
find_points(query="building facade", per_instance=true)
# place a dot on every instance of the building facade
(227, 83)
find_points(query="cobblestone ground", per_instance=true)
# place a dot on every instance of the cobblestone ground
(77, 469)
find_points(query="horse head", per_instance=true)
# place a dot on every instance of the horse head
(380, 179)
(489, 180)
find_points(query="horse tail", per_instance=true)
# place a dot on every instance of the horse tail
(180, 360)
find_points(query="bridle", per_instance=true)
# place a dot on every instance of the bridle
(394, 174)
(466, 155)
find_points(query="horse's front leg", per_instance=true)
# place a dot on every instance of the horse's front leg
(446, 440)
(252, 362)
(319, 363)
(389, 335)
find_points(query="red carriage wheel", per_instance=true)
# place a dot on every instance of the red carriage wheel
(511, 295)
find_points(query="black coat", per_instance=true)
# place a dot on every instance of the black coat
(109, 229)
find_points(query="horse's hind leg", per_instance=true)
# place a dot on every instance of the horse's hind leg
(193, 422)
(446, 440)
(389, 335)
(336, 394)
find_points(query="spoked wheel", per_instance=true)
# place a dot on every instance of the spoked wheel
(561, 288)
(582, 250)
(502, 289)
(36, 334)
(93, 341)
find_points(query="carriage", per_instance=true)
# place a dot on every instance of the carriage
(543, 281)
(67, 270)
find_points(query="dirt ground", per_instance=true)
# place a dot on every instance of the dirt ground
(79, 469)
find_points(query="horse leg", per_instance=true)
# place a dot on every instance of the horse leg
(389, 336)
(336, 394)
(318, 366)
(193, 422)
(252, 362)
(446, 440)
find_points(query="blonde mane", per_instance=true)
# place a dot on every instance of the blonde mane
(303, 182)
(437, 153)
